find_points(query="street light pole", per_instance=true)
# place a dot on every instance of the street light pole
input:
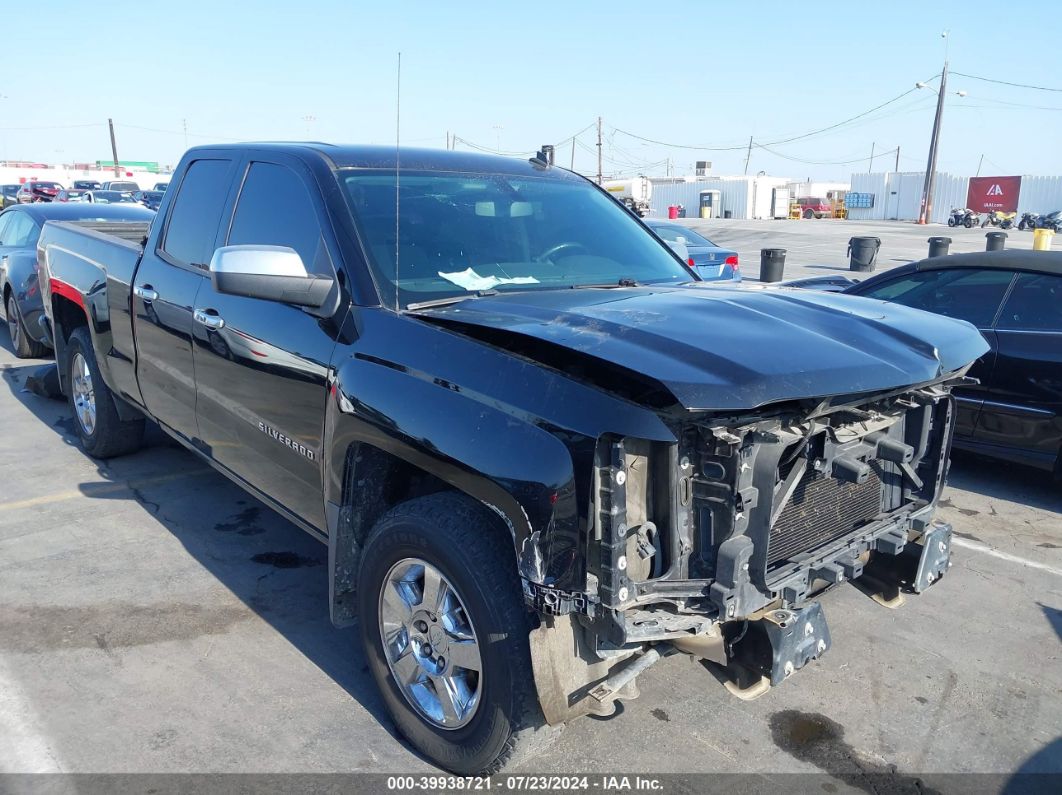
(926, 209)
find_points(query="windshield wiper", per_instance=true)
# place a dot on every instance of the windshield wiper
(453, 299)
(607, 285)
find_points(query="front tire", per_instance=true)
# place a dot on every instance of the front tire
(25, 346)
(951, 221)
(102, 432)
(809, 214)
(439, 597)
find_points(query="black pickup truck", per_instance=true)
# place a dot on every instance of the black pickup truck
(542, 453)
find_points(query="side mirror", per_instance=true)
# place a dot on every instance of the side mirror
(270, 273)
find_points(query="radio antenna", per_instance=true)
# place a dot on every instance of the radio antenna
(398, 141)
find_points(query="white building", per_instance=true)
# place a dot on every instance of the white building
(742, 197)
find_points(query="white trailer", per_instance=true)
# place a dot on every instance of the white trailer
(634, 193)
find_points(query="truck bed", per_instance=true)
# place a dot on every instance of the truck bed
(104, 250)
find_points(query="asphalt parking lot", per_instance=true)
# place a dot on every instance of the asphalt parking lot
(154, 618)
(819, 247)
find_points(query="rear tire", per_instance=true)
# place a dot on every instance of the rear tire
(25, 346)
(465, 548)
(968, 223)
(102, 432)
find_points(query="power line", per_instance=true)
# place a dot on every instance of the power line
(1006, 83)
(824, 162)
(846, 121)
(775, 142)
(53, 127)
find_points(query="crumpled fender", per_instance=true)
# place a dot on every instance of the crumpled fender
(515, 435)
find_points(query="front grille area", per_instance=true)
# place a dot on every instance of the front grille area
(821, 510)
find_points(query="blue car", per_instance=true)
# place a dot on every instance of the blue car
(711, 262)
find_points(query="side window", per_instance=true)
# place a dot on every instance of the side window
(21, 231)
(971, 295)
(1035, 304)
(274, 209)
(5, 220)
(193, 222)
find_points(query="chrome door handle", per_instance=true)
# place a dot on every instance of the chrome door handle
(208, 318)
(145, 293)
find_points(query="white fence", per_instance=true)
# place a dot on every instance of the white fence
(898, 195)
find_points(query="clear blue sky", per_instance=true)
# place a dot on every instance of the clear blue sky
(516, 75)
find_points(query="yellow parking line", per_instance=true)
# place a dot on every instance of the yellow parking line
(98, 489)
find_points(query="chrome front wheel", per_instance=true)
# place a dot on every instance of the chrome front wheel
(430, 644)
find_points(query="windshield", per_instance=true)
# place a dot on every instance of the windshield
(112, 197)
(672, 234)
(463, 233)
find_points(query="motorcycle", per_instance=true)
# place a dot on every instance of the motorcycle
(999, 218)
(1052, 221)
(963, 217)
(1029, 221)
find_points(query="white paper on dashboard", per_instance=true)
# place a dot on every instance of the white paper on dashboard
(470, 280)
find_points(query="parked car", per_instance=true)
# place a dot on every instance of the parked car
(711, 262)
(814, 207)
(149, 198)
(123, 186)
(8, 195)
(1015, 300)
(37, 191)
(524, 429)
(86, 184)
(71, 195)
(20, 228)
(109, 197)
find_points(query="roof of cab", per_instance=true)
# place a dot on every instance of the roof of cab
(408, 159)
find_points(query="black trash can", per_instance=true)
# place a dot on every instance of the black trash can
(995, 241)
(728, 214)
(862, 252)
(772, 264)
(938, 246)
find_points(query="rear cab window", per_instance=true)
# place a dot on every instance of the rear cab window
(192, 225)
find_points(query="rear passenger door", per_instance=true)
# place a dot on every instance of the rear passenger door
(261, 366)
(164, 291)
(1023, 404)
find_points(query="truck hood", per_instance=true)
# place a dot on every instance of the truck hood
(716, 348)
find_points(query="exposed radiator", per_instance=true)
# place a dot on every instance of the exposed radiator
(821, 510)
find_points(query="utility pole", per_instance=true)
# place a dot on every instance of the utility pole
(979, 164)
(871, 166)
(926, 210)
(184, 126)
(572, 168)
(748, 156)
(897, 169)
(598, 150)
(114, 148)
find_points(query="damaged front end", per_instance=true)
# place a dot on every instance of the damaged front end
(714, 546)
